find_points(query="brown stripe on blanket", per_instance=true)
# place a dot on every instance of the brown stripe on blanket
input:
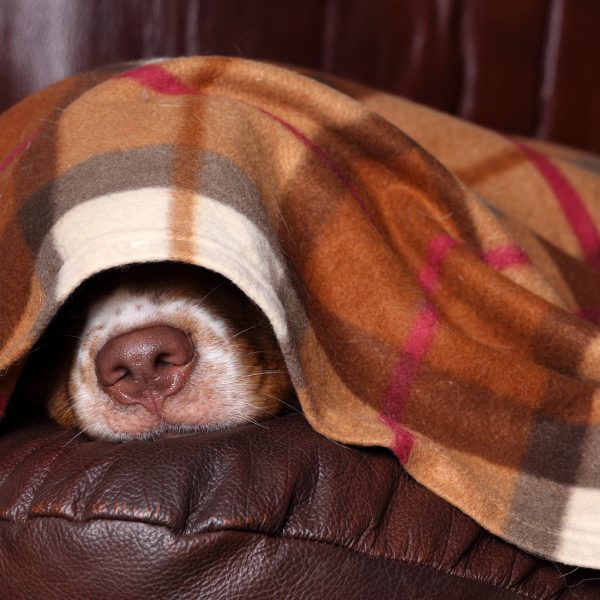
(415, 120)
(553, 286)
(554, 450)
(404, 175)
(30, 176)
(557, 331)
(370, 292)
(582, 279)
(220, 178)
(338, 413)
(465, 304)
(552, 465)
(535, 525)
(361, 359)
(19, 179)
(363, 157)
(315, 203)
(449, 411)
(589, 163)
(492, 165)
(16, 283)
(587, 474)
(184, 167)
(568, 399)
(503, 373)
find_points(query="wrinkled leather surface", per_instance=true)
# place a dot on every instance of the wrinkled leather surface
(269, 511)
(527, 67)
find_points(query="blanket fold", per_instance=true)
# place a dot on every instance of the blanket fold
(434, 286)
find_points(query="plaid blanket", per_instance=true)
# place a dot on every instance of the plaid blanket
(434, 286)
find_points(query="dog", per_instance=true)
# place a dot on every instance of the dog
(158, 350)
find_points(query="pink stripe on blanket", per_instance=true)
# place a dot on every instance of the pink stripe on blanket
(571, 203)
(158, 79)
(590, 313)
(18, 150)
(436, 252)
(416, 345)
(325, 158)
(504, 257)
(403, 440)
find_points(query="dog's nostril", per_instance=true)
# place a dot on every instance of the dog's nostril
(164, 360)
(119, 373)
(145, 366)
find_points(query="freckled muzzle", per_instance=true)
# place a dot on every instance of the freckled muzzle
(145, 366)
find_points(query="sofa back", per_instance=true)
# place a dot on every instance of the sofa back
(525, 67)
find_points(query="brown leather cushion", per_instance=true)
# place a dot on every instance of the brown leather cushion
(261, 511)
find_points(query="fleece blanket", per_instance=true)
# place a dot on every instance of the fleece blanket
(434, 286)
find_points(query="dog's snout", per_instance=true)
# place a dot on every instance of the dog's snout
(145, 366)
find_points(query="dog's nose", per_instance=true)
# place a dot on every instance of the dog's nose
(145, 366)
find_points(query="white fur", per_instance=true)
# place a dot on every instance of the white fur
(218, 392)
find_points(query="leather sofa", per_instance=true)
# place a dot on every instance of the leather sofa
(276, 510)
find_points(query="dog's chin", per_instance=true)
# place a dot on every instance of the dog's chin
(209, 401)
(162, 432)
